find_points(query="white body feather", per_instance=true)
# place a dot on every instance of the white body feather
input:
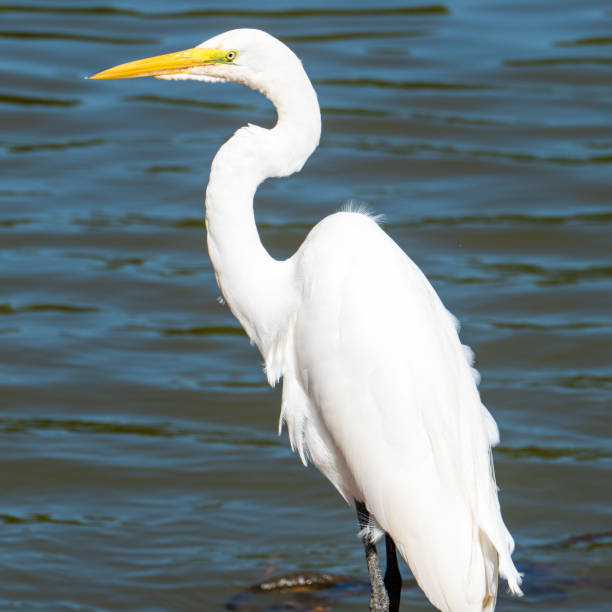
(378, 392)
(379, 395)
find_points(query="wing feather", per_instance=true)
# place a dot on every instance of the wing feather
(390, 412)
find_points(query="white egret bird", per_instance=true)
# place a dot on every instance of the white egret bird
(378, 392)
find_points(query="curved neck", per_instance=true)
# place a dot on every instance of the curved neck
(257, 288)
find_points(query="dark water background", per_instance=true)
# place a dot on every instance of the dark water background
(140, 464)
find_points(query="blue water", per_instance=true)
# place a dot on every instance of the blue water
(141, 467)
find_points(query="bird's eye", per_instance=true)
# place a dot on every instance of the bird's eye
(231, 55)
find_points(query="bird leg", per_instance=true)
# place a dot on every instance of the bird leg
(393, 578)
(379, 600)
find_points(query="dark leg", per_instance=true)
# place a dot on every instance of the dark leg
(379, 600)
(393, 579)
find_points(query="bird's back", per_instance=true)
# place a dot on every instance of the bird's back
(379, 395)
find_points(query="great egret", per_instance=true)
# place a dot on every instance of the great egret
(378, 392)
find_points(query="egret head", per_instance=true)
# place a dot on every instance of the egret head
(250, 57)
(259, 61)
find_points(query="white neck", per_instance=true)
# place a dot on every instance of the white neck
(258, 289)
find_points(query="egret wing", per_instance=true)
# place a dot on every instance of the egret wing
(381, 397)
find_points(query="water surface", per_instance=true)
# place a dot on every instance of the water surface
(141, 466)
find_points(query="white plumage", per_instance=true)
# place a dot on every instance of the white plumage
(378, 392)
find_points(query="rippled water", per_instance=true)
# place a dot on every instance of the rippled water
(141, 468)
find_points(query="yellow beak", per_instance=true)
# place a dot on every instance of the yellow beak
(171, 63)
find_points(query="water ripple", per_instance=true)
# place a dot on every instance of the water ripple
(54, 146)
(164, 430)
(431, 9)
(586, 42)
(546, 275)
(554, 453)
(7, 309)
(341, 36)
(557, 61)
(586, 541)
(33, 519)
(22, 100)
(212, 330)
(71, 36)
(566, 326)
(513, 156)
(167, 100)
(400, 85)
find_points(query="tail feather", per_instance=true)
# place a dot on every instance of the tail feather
(512, 576)
(491, 567)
